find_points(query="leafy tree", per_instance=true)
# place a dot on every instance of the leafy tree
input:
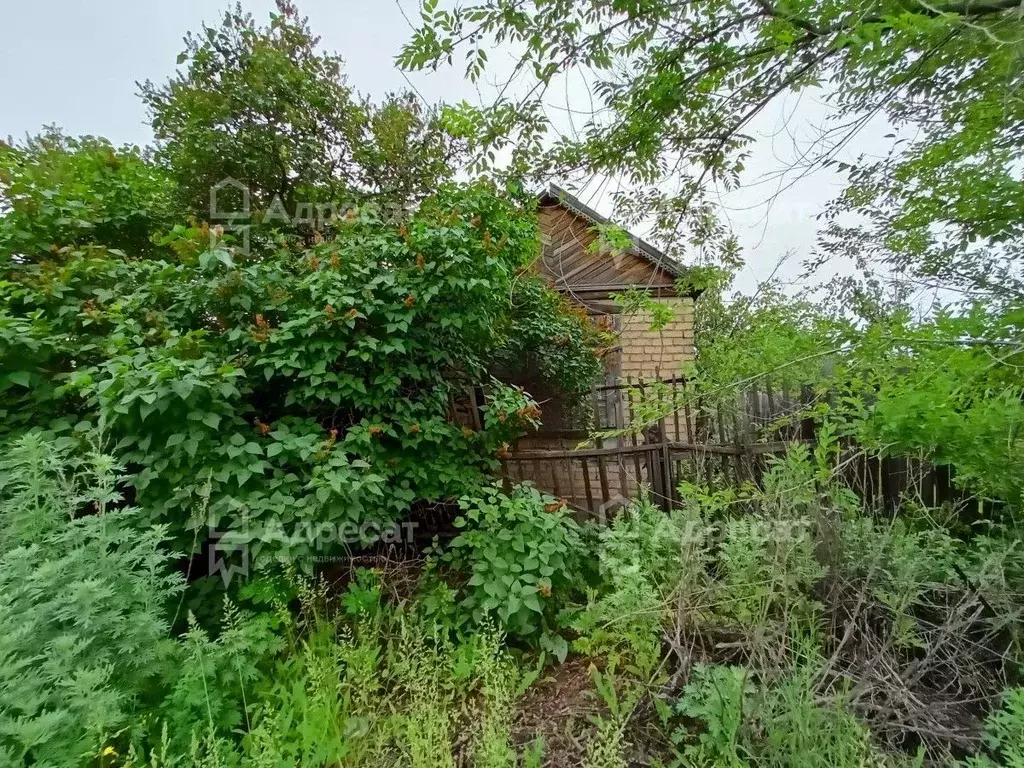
(303, 375)
(678, 84)
(62, 199)
(60, 191)
(264, 106)
(403, 151)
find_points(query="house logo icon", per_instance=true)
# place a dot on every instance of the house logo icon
(223, 196)
(231, 201)
(227, 557)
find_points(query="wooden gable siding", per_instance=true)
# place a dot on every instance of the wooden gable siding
(571, 266)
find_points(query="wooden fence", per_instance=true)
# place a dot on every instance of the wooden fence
(647, 434)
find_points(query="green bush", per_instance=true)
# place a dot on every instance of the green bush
(1004, 734)
(367, 685)
(286, 387)
(85, 595)
(300, 374)
(782, 725)
(645, 557)
(521, 557)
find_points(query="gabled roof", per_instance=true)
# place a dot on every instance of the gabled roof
(555, 195)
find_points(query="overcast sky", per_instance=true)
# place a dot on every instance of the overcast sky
(75, 64)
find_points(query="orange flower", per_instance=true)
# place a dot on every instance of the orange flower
(375, 430)
(504, 452)
(314, 263)
(554, 506)
(467, 432)
(420, 261)
(409, 300)
(351, 314)
(545, 589)
(414, 428)
(329, 311)
(335, 262)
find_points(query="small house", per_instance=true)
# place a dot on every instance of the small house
(589, 278)
(598, 477)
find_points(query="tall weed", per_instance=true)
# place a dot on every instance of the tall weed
(84, 592)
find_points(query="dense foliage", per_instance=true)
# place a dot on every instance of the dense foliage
(265, 105)
(303, 382)
(675, 87)
(287, 380)
(84, 606)
(662, 98)
(522, 554)
(289, 383)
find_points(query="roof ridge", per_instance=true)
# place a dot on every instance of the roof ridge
(641, 247)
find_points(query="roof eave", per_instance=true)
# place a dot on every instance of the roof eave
(555, 194)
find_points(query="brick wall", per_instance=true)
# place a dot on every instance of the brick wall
(642, 353)
(647, 354)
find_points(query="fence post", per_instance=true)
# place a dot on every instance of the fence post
(664, 454)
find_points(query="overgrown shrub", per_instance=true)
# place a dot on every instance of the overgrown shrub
(357, 683)
(209, 688)
(305, 384)
(520, 555)
(782, 724)
(645, 556)
(862, 631)
(85, 595)
(299, 372)
(1004, 734)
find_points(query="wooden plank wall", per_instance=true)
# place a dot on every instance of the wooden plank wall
(569, 261)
